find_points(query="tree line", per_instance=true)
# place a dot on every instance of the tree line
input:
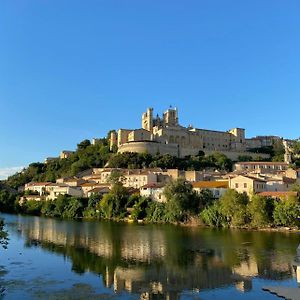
(182, 205)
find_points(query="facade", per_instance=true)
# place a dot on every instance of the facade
(55, 190)
(261, 167)
(279, 185)
(165, 135)
(247, 184)
(262, 141)
(137, 179)
(217, 188)
(154, 191)
(38, 187)
(98, 191)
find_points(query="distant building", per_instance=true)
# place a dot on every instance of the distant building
(38, 187)
(65, 154)
(56, 189)
(98, 191)
(262, 141)
(261, 167)
(164, 135)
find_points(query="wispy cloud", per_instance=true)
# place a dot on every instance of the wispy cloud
(5, 172)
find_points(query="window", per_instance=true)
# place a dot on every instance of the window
(245, 185)
(236, 185)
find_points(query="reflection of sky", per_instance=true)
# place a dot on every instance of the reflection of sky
(153, 260)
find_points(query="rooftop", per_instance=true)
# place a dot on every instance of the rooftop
(210, 184)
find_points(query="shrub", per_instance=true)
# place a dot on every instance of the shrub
(212, 215)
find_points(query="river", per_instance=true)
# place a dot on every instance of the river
(62, 259)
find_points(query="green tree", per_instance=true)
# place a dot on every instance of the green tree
(206, 198)
(60, 203)
(84, 144)
(221, 161)
(115, 202)
(73, 209)
(287, 213)
(106, 206)
(32, 207)
(139, 209)
(181, 200)
(7, 201)
(156, 212)
(48, 208)
(212, 215)
(260, 211)
(233, 207)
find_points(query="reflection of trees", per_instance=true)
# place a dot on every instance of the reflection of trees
(3, 235)
(163, 259)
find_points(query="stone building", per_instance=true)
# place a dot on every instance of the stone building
(165, 135)
(261, 167)
(247, 184)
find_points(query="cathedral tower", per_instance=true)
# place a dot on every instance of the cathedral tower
(147, 120)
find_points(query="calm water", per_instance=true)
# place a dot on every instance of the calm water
(54, 259)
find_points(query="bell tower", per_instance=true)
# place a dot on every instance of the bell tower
(147, 120)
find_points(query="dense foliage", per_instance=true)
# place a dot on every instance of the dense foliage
(237, 210)
(144, 160)
(85, 157)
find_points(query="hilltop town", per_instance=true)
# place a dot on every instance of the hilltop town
(164, 135)
(144, 161)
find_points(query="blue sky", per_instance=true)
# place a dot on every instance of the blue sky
(71, 70)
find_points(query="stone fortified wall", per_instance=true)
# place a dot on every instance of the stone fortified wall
(153, 148)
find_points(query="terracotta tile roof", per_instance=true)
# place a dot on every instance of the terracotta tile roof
(153, 185)
(210, 184)
(132, 190)
(38, 183)
(98, 190)
(72, 180)
(87, 184)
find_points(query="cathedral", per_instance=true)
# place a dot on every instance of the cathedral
(164, 135)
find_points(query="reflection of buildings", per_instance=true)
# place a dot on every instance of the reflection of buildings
(155, 262)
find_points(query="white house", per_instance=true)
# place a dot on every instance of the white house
(155, 191)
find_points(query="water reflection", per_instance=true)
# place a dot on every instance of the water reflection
(159, 262)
